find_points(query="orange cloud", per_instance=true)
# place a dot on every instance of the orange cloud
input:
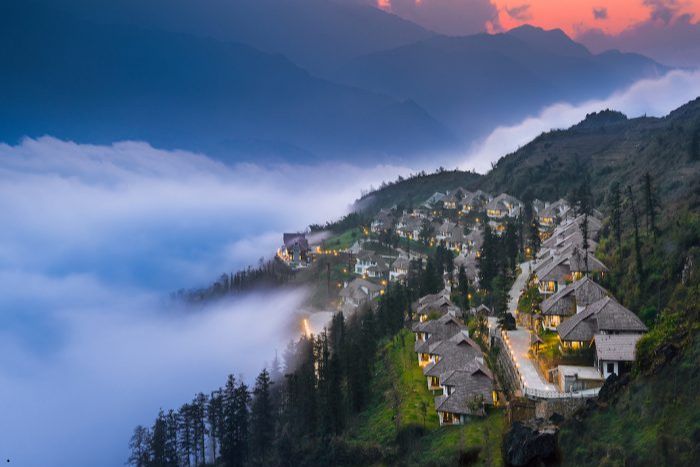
(577, 16)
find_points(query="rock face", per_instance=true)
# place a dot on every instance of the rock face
(532, 442)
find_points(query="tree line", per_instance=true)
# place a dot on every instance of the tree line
(294, 409)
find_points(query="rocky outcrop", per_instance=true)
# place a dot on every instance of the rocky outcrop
(530, 443)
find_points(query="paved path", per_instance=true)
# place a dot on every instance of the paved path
(518, 341)
(518, 285)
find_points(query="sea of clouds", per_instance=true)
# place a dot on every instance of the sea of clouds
(93, 239)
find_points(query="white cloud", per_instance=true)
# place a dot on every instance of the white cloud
(93, 239)
(653, 97)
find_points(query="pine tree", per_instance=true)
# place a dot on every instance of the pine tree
(186, 444)
(651, 204)
(637, 242)
(199, 410)
(585, 245)
(158, 443)
(215, 417)
(615, 202)
(534, 240)
(140, 447)
(262, 419)
(488, 259)
(172, 423)
(228, 442)
(463, 289)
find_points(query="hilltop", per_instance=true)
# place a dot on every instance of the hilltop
(606, 146)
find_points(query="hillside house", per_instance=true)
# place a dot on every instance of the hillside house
(605, 316)
(615, 353)
(295, 250)
(571, 378)
(370, 264)
(453, 357)
(432, 332)
(457, 199)
(502, 206)
(383, 221)
(570, 300)
(399, 269)
(357, 292)
(465, 393)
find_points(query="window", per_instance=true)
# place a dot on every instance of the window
(611, 367)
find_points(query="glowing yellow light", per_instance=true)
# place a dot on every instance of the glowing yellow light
(307, 328)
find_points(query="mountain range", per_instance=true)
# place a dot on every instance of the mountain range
(280, 79)
(476, 83)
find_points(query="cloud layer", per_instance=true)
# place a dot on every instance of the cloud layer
(93, 239)
(648, 97)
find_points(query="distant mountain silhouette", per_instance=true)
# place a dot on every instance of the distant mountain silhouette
(104, 82)
(475, 83)
(318, 35)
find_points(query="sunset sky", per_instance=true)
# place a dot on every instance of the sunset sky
(574, 17)
(666, 30)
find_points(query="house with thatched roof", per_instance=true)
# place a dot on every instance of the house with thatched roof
(357, 292)
(466, 391)
(570, 300)
(399, 268)
(430, 333)
(504, 205)
(604, 316)
(383, 221)
(615, 353)
(458, 198)
(453, 357)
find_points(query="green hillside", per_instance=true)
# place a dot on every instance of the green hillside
(607, 146)
(413, 191)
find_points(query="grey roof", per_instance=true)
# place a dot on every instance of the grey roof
(456, 357)
(579, 293)
(616, 347)
(577, 261)
(401, 263)
(461, 377)
(605, 315)
(474, 386)
(557, 270)
(446, 326)
(441, 304)
(461, 339)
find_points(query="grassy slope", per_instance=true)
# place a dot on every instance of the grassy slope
(439, 445)
(656, 417)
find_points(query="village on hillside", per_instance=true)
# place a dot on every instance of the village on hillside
(557, 336)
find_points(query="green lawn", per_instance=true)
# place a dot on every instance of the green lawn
(397, 365)
(344, 240)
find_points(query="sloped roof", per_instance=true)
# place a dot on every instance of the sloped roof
(458, 340)
(616, 347)
(455, 358)
(612, 316)
(605, 315)
(577, 261)
(556, 271)
(579, 293)
(460, 400)
(401, 263)
(462, 376)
